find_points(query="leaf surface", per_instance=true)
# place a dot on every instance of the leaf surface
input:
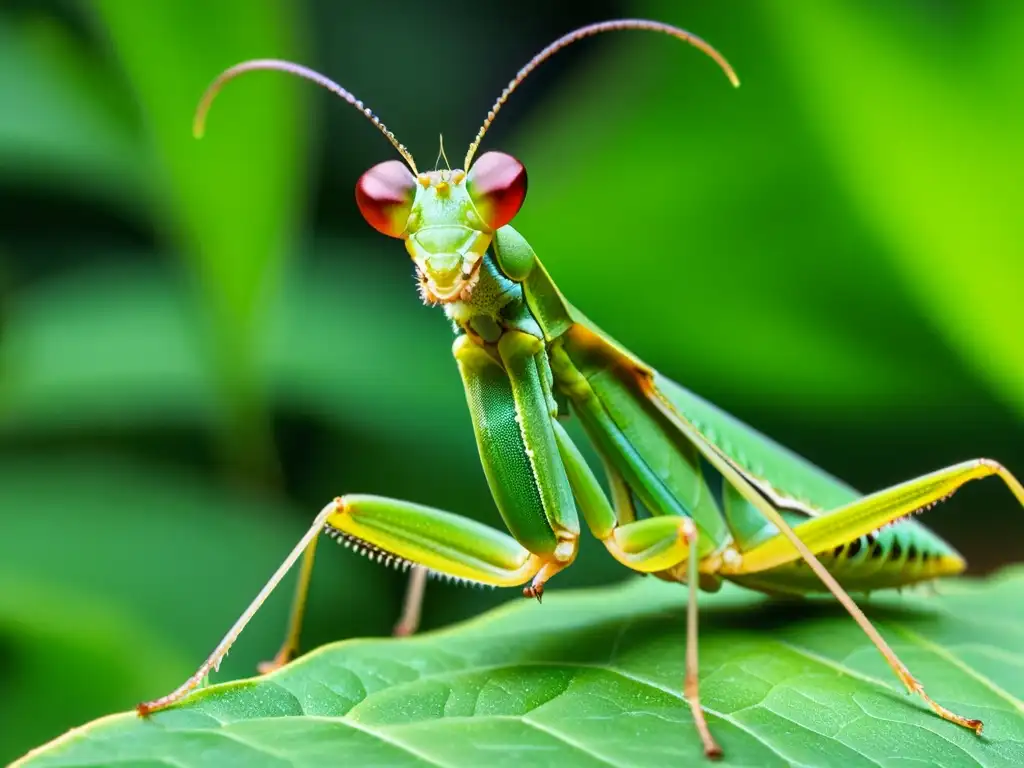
(592, 678)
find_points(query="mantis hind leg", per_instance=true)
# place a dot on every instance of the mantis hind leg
(870, 511)
(837, 531)
(412, 605)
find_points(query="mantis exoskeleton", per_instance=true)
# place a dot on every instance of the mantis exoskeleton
(528, 358)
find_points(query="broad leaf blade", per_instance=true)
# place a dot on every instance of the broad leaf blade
(106, 343)
(61, 126)
(592, 678)
(921, 118)
(231, 202)
(68, 655)
(679, 199)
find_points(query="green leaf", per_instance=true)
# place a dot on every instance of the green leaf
(919, 112)
(61, 126)
(106, 342)
(66, 656)
(230, 202)
(592, 678)
(692, 221)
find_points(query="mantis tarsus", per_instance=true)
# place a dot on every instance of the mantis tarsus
(528, 358)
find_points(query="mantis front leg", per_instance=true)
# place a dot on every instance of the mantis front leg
(384, 528)
(513, 419)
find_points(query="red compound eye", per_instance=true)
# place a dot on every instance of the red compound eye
(497, 184)
(384, 195)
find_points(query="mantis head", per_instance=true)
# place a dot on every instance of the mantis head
(447, 218)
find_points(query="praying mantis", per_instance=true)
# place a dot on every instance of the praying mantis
(694, 496)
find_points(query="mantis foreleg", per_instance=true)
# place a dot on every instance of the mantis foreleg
(500, 388)
(393, 531)
(514, 419)
(646, 546)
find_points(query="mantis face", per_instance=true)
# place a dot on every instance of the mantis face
(446, 218)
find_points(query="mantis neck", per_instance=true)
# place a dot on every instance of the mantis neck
(494, 300)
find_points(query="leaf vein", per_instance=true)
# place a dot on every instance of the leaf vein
(838, 666)
(556, 734)
(721, 715)
(385, 738)
(959, 663)
(803, 727)
(239, 739)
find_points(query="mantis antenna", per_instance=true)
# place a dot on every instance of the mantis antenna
(593, 29)
(441, 154)
(199, 123)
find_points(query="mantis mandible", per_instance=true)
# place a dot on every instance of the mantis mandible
(528, 359)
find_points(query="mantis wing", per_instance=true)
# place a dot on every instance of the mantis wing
(767, 490)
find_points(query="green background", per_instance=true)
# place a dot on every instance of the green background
(202, 342)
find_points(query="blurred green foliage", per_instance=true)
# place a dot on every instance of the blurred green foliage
(202, 341)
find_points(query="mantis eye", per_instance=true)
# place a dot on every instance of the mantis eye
(384, 195)
(497, 185)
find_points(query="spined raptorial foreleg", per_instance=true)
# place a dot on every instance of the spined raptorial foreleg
(508, 393)
(510, 407)
(386, 528)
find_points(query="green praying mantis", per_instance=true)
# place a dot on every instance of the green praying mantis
(694, 495)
